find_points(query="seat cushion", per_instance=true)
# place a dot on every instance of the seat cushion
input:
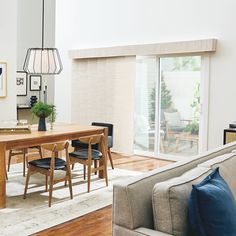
(212, 208)
(45, 163)
(83, 154)
(170, 201)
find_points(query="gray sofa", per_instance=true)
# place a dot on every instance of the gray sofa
(155, 203)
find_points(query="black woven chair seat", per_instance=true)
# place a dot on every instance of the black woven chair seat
(45, 163)
(83, 154)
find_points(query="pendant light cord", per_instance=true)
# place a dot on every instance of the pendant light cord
(43, 24)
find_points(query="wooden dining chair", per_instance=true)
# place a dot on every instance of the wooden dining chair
(79, 145)
(25, 152)
(48, 165)
(88, 157)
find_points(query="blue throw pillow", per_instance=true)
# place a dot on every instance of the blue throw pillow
(212, 208)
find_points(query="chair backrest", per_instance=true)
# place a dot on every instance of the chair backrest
(108, 125)
(54, 148)
(91, 140)
(173, 118)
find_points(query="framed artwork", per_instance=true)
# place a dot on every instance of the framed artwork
(35, 82)
(3, 79)
(21, 83)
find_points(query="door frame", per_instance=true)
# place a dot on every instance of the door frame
(204, 108)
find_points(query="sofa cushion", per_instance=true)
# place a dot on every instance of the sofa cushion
(170, 201)
(227, 164)
(212, 208)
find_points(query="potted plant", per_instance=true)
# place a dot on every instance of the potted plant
(42, 111)
(52, 117)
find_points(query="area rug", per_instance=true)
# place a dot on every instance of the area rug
(31, 215)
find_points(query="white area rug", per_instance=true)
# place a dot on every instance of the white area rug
(30, 215)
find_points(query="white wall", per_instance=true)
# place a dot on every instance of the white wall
(92, 23)
(8, 54)
(29, 33)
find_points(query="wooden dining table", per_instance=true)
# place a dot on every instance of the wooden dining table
(60, 132)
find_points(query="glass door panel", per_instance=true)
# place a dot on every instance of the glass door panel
(179, 105)
(145, 104)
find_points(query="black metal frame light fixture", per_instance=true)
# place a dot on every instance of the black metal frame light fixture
(43, 60)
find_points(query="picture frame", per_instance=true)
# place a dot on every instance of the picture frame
(21, 83)
(3, 79)
(35, 82)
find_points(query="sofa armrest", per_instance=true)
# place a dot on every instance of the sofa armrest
(132, 200)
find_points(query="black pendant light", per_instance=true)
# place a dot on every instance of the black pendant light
(43, 60)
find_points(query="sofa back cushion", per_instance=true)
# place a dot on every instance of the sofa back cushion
(227, 164)
(170, 201)
(212, 208)
(170, 198)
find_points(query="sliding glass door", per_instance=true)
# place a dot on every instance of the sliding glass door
(145, 105)
(167, 106)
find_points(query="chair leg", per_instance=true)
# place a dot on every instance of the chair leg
(110, 158)
(89, 177)
(50, 190)
(46, 183)
(24, 161)
(9, 160)
(27, 181)
(68, 175)
(95, 166)
(84, 172)
(105, 173)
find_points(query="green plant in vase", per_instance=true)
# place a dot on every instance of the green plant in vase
(52, 117)
(42, 111)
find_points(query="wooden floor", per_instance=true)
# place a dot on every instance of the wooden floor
(99, 222)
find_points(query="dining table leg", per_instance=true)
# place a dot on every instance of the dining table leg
(2, 175)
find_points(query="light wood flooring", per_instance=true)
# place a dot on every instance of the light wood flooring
(99, 222)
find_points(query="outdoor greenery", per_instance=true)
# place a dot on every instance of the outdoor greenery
(166, 100)
(181, 64)
(193, 127)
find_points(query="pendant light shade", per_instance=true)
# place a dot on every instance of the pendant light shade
(43, 61)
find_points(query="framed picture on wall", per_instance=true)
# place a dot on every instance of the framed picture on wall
(35, 82)
(3, 79)
(21, 83)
